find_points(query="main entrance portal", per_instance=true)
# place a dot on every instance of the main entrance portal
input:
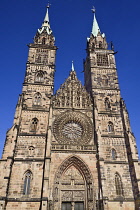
(73, 186)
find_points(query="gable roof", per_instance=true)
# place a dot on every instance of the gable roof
(72, 94)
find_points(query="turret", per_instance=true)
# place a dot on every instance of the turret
(44, 35)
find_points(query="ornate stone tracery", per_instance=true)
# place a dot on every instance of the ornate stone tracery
(73, 182)
(73, 128)
(72, 94)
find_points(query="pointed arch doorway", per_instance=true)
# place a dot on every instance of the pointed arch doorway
(73, 187)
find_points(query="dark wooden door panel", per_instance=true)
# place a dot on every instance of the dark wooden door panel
(66, 206)
(79, 206)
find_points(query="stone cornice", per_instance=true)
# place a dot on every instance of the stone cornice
(29, 159)
(116, 162)
(112, 136)
(24, 199)
(42, 46)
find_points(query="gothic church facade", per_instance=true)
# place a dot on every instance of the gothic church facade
(73, 150)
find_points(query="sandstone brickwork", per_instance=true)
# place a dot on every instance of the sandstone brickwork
(75, 149)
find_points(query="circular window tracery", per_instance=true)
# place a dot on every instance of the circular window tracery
(72, 128)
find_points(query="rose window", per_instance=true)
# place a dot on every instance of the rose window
(72, 130)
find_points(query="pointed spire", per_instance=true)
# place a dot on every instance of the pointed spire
(46, 19)
(46, 23)
(72, 72)
(95, 27)
(72, 66)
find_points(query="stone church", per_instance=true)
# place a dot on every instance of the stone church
(73, 150)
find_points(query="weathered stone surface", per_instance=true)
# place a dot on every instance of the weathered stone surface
(73, 147)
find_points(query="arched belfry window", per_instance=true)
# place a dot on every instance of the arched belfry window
(38, 58)
(100, 45)
(27, 182)
(44, 40)
(107, 104)
(118, 185)
(105, 80)
(110, 127)
(39, 77)
(37, 99)
(93, 46)
(113, 154)
(34, 123)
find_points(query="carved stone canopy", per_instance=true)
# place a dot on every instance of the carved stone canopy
(73, 127)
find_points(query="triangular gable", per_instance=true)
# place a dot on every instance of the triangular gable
(72, 94)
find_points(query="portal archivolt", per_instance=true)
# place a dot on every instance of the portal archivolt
(73, 186)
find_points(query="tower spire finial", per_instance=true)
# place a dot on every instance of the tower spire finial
(72, 66)
(93, 9)
(48, 5)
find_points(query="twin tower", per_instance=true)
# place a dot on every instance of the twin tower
(73, 150)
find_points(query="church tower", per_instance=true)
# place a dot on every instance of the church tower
(117, 156)
(73, 150)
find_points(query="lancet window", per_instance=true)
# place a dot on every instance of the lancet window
(118, 185)
(110, 127)
(39, 77)
(113, 154)
(93, 46)
(31, 150)
(104, 80)
(37, 99)
(38, 58)
(27, 182)
(107, 104)
(100, 45)
(44, 40)
(34, 124)
(44, 58)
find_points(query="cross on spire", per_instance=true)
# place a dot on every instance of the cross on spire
(93, 9)
(48, 5)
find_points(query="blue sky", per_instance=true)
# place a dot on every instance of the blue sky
(71, 22)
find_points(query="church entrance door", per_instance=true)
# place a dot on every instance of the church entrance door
(73, 188)
(73, 206)
(79, 206)
(66, 206)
